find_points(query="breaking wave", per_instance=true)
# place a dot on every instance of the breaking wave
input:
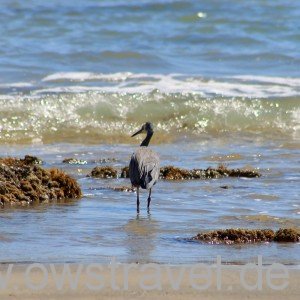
(127, 82)
(178, 106)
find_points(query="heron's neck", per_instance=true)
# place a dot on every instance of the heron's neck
(146, 141)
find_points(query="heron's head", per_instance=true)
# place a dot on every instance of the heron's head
(146, 128)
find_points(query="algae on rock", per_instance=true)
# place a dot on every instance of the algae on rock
(174, 173)
(245, 236)
(104, 172)
(22, 182)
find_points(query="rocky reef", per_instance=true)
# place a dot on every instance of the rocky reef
(77, 161)
(287, 235)
(104, 172)
(74, 161)
(174, 173)
(125, 172)
(245, 236)
(23, 181)
(123, 189)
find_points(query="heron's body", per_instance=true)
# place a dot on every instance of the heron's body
(144, 168)
(144, 165)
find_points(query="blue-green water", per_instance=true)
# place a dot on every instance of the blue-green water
(209, 38)
(101, 68)
(220, 80)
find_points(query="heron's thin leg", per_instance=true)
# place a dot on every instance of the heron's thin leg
(137, 200)
(149, 200)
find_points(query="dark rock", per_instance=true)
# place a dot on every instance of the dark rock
(104, 172)
(74, 161)
(235, 236)
(245, 236)
(123, 188)
(225, 187)
(173, 173)
(287, 235)
(31, 160)
(106, 160)
(125, 172)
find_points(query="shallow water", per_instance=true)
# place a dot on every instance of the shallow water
(104, 222)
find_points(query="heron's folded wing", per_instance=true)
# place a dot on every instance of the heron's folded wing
(144, 168)
(134, 170)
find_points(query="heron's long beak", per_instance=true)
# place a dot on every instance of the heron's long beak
(138, 132)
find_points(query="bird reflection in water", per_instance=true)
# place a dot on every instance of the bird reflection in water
(140, 238)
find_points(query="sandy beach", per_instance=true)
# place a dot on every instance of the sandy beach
(37, 281)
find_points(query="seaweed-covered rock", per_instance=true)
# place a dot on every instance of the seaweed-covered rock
(249, 173)
(173, 173)
(125, 172)
(104, 172)
(244, 236)
(123, 189)
(287, 235)
(74, 161)
(105, 160)
(236, 236)
(22, 182)
(32, 160)
(77, 161)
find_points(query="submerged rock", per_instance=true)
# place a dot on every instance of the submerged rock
(104, 172)
(105, 160)
(174, 173)
(32, 160)
(245, 236)
(287, 235)
(74, 161)
(225, 187)
(22, 182)
(123, 188)
(125, 172)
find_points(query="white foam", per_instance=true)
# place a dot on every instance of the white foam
(126, 82)
(67, 89)
(86, 76)
(15, 85)
(289, 81)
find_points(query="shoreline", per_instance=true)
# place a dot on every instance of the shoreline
(106, 263)
(119, 281)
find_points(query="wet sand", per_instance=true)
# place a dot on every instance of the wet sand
(230, 286)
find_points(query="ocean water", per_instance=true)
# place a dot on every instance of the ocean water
(220, 80)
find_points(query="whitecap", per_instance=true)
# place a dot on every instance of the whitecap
(86, 76)
(126, 82)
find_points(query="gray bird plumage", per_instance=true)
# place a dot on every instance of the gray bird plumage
(144, 168)
(144, 165)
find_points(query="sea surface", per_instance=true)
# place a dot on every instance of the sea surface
(220, 81)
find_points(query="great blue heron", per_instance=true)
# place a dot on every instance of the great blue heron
(144, 165)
